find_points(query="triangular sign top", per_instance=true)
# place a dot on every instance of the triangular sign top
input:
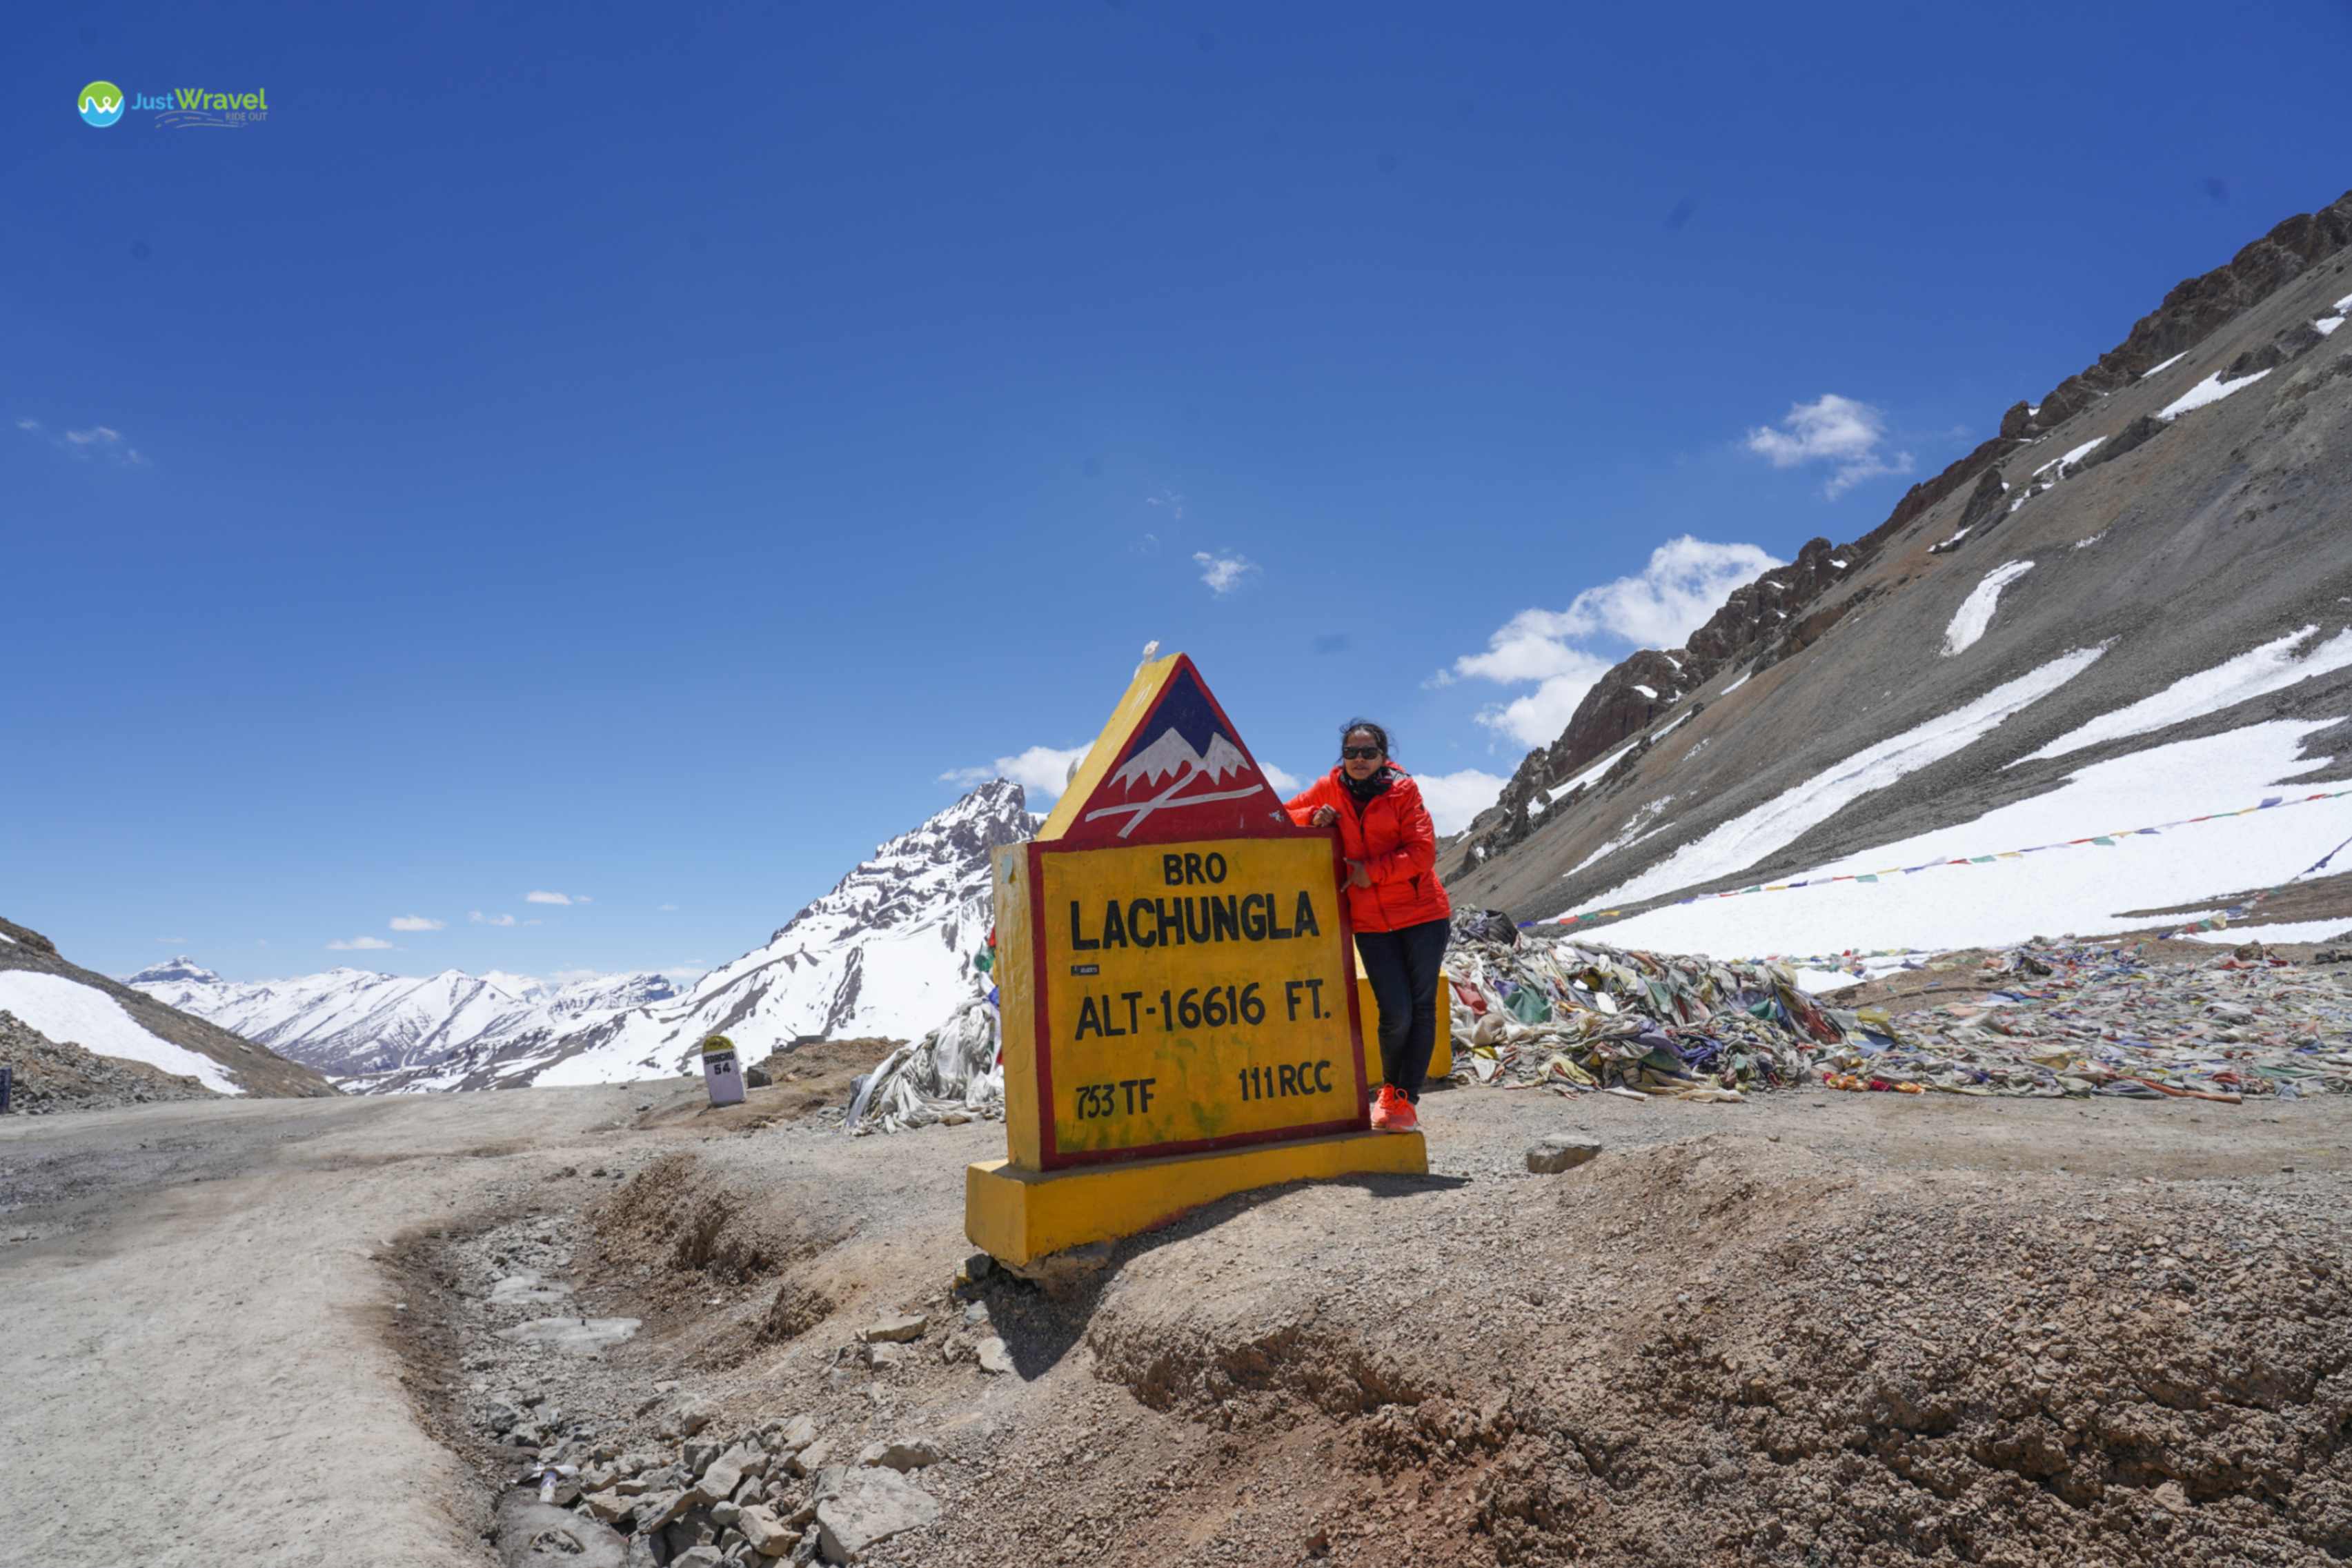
(1168, 767)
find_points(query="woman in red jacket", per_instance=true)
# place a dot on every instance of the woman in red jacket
(1394, 900)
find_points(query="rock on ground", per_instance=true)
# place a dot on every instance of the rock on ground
(1557, 1152)
(531, 1533)
(901, 1453)
(896, 1330)
(858, 1507)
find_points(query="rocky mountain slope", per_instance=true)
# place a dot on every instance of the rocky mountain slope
(2152, 554)
(67, 1004)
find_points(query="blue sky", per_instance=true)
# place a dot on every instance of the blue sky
(637, 460)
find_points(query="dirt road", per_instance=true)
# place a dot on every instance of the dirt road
(196, 1369)
(1813, 1328)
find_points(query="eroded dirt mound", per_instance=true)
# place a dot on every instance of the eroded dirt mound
(671, 1215)
(1724, 1350)
(676, 1229)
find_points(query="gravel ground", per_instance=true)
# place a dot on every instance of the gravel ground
(1811, 1328)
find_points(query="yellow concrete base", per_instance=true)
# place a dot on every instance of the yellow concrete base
(1016, 1216)
(1368, 1008)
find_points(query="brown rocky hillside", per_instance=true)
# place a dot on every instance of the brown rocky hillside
(256, 1068)
(2217, 529)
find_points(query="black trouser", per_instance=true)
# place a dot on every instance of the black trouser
(1404, 967)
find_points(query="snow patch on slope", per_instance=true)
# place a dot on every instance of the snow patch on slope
(1636, 828)
(67, 1011)
(2212, 389)
(2084, 889)
(2256, 673)
(1974, 616)
(1754, 834)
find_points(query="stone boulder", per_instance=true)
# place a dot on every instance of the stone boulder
(857, 1508)
(530, 1534)
(1558, 1152)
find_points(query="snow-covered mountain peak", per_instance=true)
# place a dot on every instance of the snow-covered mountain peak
(907, 873)
(609, 993)
(889, 951)
(523, 986)
(183, 969)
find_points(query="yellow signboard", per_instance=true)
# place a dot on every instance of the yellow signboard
(1177, 984)
(1188, 996)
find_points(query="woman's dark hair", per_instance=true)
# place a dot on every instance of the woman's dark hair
(1377, 732)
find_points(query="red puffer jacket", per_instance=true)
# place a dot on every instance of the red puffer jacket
(1394, 838)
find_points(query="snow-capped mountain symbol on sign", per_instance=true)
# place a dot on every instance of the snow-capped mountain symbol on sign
(1167, 767)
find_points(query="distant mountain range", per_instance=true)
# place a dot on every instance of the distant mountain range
(888, 952)
(357, 1024)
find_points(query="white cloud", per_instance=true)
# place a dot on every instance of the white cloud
(666, 908)
(417, 923)
(1539, 717)
(551, 898)
(1453, 799)
(1042, 771)
(98, 439)
(1223, 573)
(359, 945)
(1847, 435)
(1685, 581)
(478, 918)
(1171, 501)
(1281, 778)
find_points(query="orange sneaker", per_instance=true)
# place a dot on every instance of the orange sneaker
(1393, 1113)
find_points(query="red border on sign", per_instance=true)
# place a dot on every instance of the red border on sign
(1049, 1154)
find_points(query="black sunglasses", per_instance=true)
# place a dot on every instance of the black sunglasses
(1366, 752)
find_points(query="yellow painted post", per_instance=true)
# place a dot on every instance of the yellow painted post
(1016, 1002)
(1368, 1007)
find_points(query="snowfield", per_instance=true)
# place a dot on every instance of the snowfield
(1750, 837)
(2271, 668)
(66, 1011)
(2280, 931)
(2086, 889)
